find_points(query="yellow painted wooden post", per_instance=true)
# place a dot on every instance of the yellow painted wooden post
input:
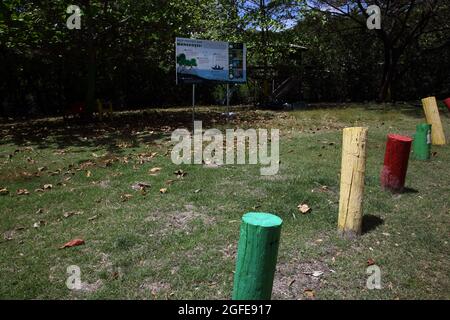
(353, 169)
(432, 115)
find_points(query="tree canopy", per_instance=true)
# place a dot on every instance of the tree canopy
(124, 50)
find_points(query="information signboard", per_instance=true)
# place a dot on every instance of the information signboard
(203, 60)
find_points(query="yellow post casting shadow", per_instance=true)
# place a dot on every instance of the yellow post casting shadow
(353, 169)
(432, 115)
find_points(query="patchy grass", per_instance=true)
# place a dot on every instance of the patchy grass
(182, 244)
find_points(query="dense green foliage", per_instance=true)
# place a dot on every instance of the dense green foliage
(125, 50)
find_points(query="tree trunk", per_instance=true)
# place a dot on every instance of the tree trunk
(91, 75)
(390, 69)
(262, 5)
(91, 63)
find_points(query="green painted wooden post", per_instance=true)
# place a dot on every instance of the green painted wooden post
(422, 142)
(257, 256)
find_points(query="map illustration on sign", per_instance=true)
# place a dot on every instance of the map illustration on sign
(203, 60)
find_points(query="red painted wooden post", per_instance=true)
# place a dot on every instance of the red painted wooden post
(395, 162)
(447, 103)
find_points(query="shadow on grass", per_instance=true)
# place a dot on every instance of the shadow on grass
(409, 190)
(131, 127)
(370, 223)
(411, 109)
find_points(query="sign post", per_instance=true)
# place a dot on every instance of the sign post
(228, 100)
(199, 61)
(193, 105)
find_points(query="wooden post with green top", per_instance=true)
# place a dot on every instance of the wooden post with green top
(422, 142)
(257, 256)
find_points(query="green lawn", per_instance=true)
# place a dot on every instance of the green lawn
(182, 244)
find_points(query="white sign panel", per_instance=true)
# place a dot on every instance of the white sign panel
(204, 60)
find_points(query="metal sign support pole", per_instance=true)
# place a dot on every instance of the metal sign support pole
(193, 105)
(228, 100)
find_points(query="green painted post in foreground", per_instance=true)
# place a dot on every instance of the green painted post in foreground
(422, 142)
(257, 256)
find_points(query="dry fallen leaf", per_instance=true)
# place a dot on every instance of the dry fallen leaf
(92, 218)
(370, 262)
(9, 235)
(140, 186)
(126, 197)
(163, 190)
(180, 173)
(72, 243)
(154, 171)
(114, 275)
(124, 145)
(3, 191)
(317, 274)
(60, 152)
(303, 208)
(55, 173)
(39, 223)
(88, 174)
(71, 213)
(309, 293)
(48, 186)
(323, 189)
(22, 192)
(27, 174)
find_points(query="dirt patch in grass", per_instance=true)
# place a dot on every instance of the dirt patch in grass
(193, 253)
(276, 177)
(105, 262)
(9, 235)
(299, 280)
(180, 220)
(91, 287)
(155, 289)
(104, 184)
(229, 251)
